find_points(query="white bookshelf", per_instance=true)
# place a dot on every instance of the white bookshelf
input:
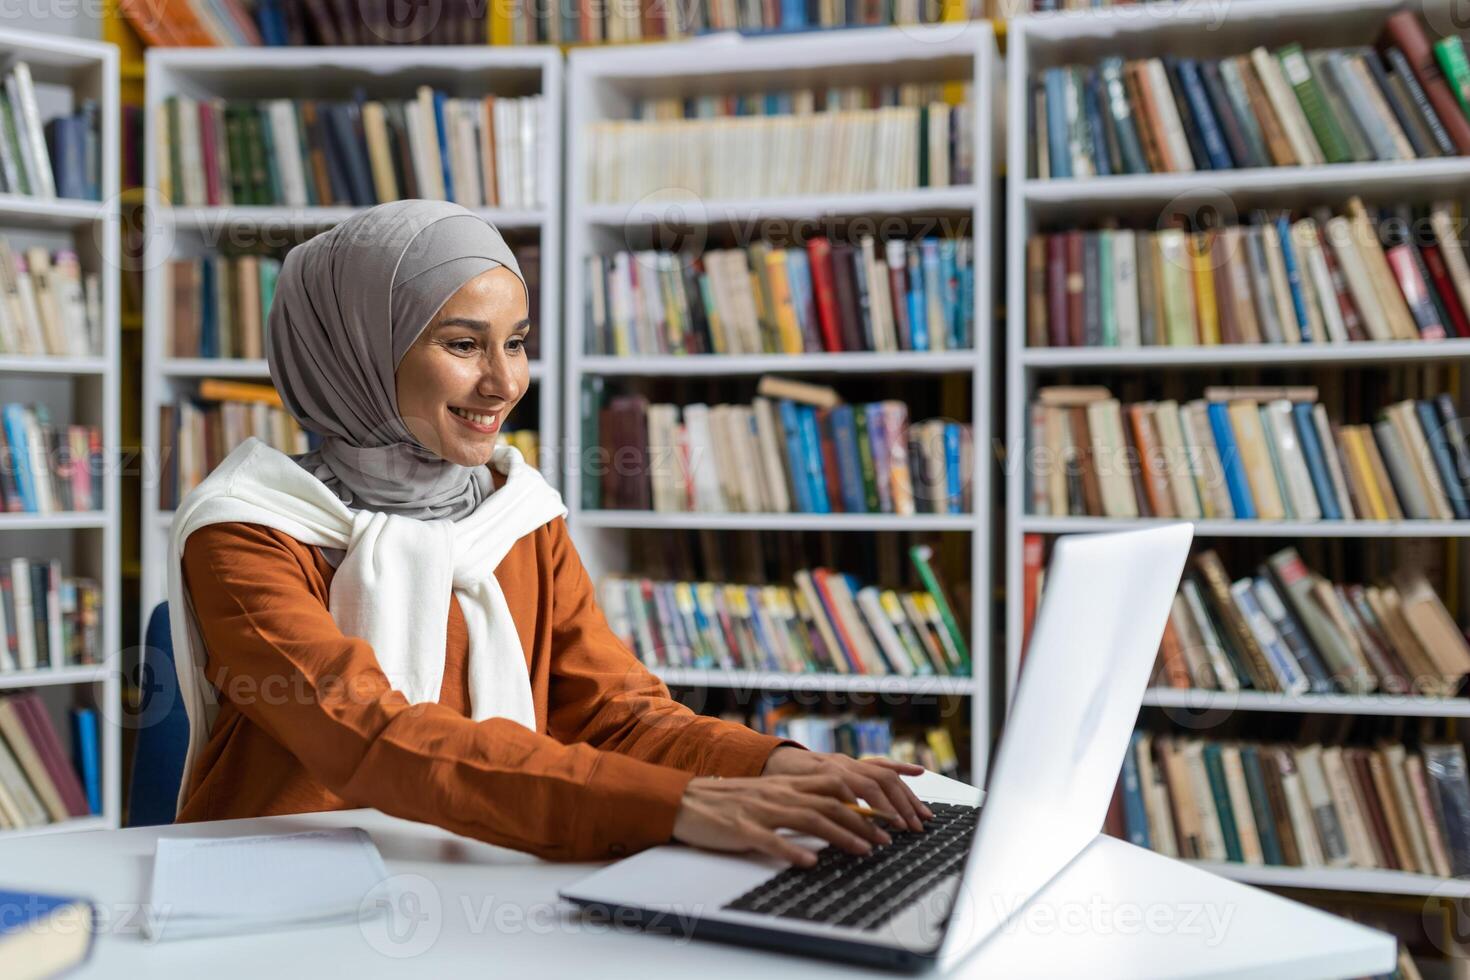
(1083, 37)
(75, 389)
(603, 85)
(329, 73)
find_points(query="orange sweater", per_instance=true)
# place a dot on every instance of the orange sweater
(308, 721)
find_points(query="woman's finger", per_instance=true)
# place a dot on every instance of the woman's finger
(900, 798)
(834, 784)
(811, 821)
(907, 768)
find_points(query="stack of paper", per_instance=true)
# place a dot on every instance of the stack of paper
(218, 886)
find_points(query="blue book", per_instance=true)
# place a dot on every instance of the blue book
(967, 298)
(1135, 818)
(793, 14)
(764, 642)
(1306, 433)
(1092, 112)
(795, 457)
(954, 486)
(811, 445)
(803, 300)
(1230, 461)
(208, 310)
(949, 277)
(354, 161)
(1435, 435)
(1294, 278)
(443, 137)
(1204, 114)
(20, 456)
(933, 280)
(918, 300)
(1215, 769)
(878, 442)
(1058, 150)
(849, 462)
(1255, 785)
(44, 935)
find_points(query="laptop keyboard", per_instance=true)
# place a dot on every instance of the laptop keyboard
(864, 891)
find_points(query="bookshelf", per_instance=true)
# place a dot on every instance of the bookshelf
(1138, 200)
(604, 85)
(328, 73)
(82, 390)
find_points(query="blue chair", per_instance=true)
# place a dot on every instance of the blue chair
(162, 730)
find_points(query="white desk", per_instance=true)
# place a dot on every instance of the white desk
(1117, 911)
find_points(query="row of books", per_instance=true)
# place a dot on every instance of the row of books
(1310, 806)
(788, 147)
(828, 296)
(1404, 100)
(39, 784)
(218, 305)
(778, 454)
(60, 158)
(1287, 628)
(46, 467)
(48, 305)
(478, 152)
(1393, 274)
(1247, 453)
(196, 434)
(47, 619)
(853, 734)
(372, 22)
(825, 622)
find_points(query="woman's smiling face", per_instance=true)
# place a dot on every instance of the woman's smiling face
(468, 369)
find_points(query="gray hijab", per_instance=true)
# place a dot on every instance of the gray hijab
(349, 303)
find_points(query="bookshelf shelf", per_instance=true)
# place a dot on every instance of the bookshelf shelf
(1394, 705)
(49, 676)
(72, 826)
(51, 364)
(58, 213)
(61, 521)
(1255, 529)
(1380, 880)
(1255, 183)
(331, 73)
(776, 681)
(603, 84)
(775, 522)
(690, 210)
(1267, 355)
(259, 369)
(846, 362)
(85, 390)
(318, 217)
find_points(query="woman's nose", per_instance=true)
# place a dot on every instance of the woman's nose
(498, 377)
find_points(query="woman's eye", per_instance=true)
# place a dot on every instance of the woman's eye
(517, 343)
(463, 346)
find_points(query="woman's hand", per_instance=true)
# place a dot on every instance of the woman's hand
(874, 779)
(744, 814)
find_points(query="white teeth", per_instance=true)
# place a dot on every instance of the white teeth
(473, 416)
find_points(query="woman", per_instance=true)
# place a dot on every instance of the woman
(390, 622)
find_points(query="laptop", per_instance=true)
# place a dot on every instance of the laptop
(933, 897)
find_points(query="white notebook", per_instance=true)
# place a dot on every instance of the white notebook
(223, 885)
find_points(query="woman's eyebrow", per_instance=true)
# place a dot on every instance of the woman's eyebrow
(474, 324)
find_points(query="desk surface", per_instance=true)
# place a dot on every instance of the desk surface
(1117, 911)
